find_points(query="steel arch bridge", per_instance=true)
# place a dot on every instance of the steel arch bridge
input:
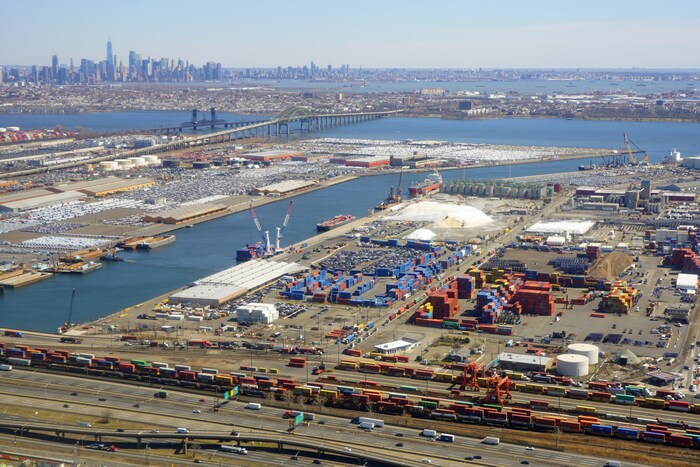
(294, 113)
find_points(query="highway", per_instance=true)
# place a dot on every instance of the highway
(50, 392)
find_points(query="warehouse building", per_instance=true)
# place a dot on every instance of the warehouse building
(47, 198)
(401, 345)
(104, 186)
(523, 362)
(264, 313)
(185, 213)
(368, 162)
(284, 188)
(270, 156)
(234, 282)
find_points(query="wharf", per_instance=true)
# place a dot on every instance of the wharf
(146, 242)
(25, 278)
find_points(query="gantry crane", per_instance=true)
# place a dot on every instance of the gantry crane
(497, 390)
(264, 236)
(469, 379)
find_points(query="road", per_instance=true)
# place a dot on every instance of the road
(50, 392)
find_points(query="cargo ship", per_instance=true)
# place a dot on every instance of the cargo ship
(251, 251)
(337, 221)
(393, 198)
(430, 184)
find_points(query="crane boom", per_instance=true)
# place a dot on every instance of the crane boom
(255, 218)
(286, 218)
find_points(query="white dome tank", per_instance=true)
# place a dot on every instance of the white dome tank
(138, 161)
(151, 160)
(572, 365)
(587, 350)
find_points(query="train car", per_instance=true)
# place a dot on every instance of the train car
(533, 388)
(538, 405)
(654, 403)
(601, 430)
(627, 433)
(599, 396)
(585, 409)
(654, 437)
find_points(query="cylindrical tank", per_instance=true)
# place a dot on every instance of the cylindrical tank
(12, 128)
(151, 160)
(572, 365)
(109, 165)
(589, 351)
(3, 130)
(122, 161)
(138, 161)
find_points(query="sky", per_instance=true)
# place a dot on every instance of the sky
(369, 33)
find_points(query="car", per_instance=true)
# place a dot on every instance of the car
(425, 460)
(477, 457)
(65, 406)
(101, 399)
(234, 433)
(295, 458)
(198, 461)
(525, 462)
(137, 405)
(155, 431)
(321, 422)
(398, 434)
(347, 449)
(399, 445)
(469, 458)
(120, 430)
(529, 448)
(316, 461)
(196, 411)
(202, 400)
(697, 396)
(73, 393)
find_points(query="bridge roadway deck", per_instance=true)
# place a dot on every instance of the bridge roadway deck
(206, 435)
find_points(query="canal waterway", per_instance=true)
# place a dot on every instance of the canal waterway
(211, 246)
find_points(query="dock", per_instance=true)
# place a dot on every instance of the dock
(25, 277)
(147, 242)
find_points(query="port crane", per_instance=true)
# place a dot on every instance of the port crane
(280, 231)
(393, 198)
(267, 249)
(632, 159)
(470, 375)
(498, 390)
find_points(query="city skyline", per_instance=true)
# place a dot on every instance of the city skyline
(448, 34)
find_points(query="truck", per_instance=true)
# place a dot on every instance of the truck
(491, 440)
(295, 413)
(448, 438)
(4, 367)
(378, 423)
(70, 340)
(428, 433)
(13, 333)
(235, 449)
(160, 395)
(367, 426)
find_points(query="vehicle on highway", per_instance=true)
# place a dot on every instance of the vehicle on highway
(155, 431)
(378, 423)
(425, 460)
(253, 406)
(491, 440)
(234, 449)
(102, 399)
(529, 448)
(196, 411)
(65, 406)
(120, 430)
(4, 367)
(428, 433)
(347, 449)
(183, 430)
(612, 464)
(367, 426)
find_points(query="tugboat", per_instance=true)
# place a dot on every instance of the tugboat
(430, 184)
(111, 255)
(392, 199)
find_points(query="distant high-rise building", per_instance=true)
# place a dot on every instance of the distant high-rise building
(110, 56)
(54, 66)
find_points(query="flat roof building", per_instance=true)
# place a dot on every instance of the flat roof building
(185, 213)
(523, 362)
(46, 199)
(285, 187)
(395, 346)
(268, 156)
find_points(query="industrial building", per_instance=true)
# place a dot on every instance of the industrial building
(497, 188)
(368, 161)
(284, 188)
(234, 282)
(691, 162)
(524, 362)
(269, 156)
(185, 213)
(104, 186)
(264, 313)
(393, 347)
(41, 198)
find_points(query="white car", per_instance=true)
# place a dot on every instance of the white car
(196, 411)
(425, 460)
(347, 449)
(529, 448)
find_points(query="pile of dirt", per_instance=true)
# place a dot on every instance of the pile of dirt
(610, 266)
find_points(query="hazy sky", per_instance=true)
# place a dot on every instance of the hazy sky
(376, 33)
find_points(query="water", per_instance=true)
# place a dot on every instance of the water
(210, 247)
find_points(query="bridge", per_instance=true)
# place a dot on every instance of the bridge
(195, 123)
(98, 434)
(277, 126)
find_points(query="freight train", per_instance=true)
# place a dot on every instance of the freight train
(534, 418)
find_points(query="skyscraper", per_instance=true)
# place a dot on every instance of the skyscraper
(54, 67)
(110, 57)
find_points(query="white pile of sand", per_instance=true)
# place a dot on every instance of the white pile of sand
(421, 234)
(452, 215)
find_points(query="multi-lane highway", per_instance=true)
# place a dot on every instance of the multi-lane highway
(91, 398)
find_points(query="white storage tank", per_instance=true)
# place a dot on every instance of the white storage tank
(151, 160)
(122, 161)
(589, 351)
(138, 161)
(109, 165)
(572, 365)
(3, 130)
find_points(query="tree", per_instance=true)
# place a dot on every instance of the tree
(106, 416)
